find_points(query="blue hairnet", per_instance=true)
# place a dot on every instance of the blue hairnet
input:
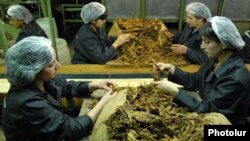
(226, 31)
(198, 10)
(26, 58)
(92, 11)
(19, 12)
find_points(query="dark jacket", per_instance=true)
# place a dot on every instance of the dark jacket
(193, 41)
(92, 47)
(31, 115)
(245, 52)
(225, 90)
(31, 29)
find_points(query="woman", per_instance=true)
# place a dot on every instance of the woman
(223, 82)
(92, 44)
(189, 41)
(31, 109)
(21, 18)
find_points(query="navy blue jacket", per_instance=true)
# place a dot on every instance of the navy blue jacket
(93, 47)
(225, 90)
(28, 114)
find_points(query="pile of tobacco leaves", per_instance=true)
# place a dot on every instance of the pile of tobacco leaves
(150, 114)
(149, 43)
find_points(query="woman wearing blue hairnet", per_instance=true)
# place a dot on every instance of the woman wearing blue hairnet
(92, 44)
(31, 109)
(222, 83)
(189, 40)
(21, 18)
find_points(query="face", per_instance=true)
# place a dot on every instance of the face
(212, 48)
(16, 23)
(192, 21)
(99, 23)
(49, 72)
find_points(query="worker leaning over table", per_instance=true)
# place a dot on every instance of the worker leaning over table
(31, 109)
(93, 46)
(189, 40)
(223, 82)
(21, 18)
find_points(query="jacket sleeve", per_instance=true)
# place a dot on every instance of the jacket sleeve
(110, 40)
(197, 56)
(92, 49)
(176, 38)
(186, 79)
(43, 117)
(72, 89)
(225, 98)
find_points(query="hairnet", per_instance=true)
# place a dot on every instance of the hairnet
(19, 12)
(198, 10)
(26, 58)
(226, 31)
(92, 11)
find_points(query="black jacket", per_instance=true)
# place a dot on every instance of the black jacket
(193, 41)
(225, 90)
(31, 115)
(93, 47)
(31, 29)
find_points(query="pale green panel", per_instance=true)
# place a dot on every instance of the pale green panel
(122, 8)
(242, 26)
(237, 9)
(163, 9)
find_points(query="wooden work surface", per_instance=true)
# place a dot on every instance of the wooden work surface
(105, 69)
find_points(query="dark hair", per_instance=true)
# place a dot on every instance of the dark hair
(207, 31)
(203, 19)
(103, 16)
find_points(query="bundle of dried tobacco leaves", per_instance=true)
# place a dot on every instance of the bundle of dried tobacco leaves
(150, 42)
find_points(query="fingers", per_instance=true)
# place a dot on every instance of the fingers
(160, 65)
(176, 45)
(111, 93)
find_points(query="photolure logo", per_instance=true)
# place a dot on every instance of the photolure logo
(213, 132)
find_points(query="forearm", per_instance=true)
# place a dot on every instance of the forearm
(95, 112)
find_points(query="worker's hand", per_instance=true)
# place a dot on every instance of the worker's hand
(168, 68)
(101, 85)
(108, 96)
(166, 86)
(178, 48)
(121, 39)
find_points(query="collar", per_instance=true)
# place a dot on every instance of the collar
(230, 63)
